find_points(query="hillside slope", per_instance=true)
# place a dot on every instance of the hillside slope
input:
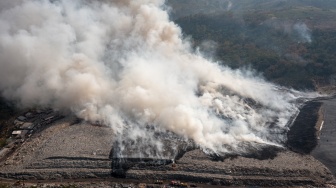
(289, 42)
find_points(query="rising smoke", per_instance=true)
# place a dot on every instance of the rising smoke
(123, 63)
(297, 30)
(303, 31)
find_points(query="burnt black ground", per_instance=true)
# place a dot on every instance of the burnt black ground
(301, 137)
(325, 150)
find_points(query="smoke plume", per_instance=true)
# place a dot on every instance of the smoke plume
(229, 5)
(123, 63)
(297, 30)
(303, 31)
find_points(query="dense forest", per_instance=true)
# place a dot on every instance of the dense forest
(291, 43)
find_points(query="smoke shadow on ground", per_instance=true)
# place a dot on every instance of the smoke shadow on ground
(78, 158)
(121, 164)
(301, 137)
(263, 153)
(6, 110)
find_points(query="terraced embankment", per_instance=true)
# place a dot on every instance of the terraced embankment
(62, 151)
(287, 169)
(67, 149)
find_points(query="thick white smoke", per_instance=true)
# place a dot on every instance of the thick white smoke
(123, 63)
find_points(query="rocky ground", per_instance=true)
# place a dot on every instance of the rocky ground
(65, 149)
(62, 150)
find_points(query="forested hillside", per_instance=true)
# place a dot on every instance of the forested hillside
(183, 8)
(292, 43)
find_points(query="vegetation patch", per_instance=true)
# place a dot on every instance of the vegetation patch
(290, 44)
